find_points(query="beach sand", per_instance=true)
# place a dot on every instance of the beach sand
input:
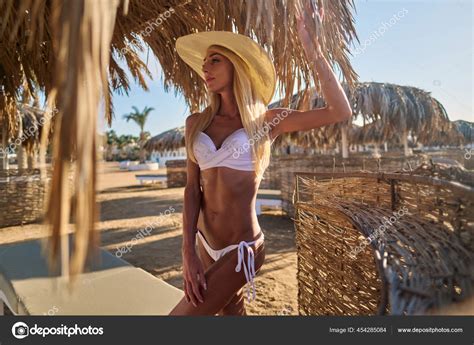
(128, 208)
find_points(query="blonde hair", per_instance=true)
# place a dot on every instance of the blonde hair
(252, 112)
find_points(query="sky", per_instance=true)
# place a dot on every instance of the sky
(425, 43)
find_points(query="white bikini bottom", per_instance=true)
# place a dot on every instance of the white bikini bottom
(249, 269)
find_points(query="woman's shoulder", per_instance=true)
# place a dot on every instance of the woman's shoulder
(191, 119)
(194, 116)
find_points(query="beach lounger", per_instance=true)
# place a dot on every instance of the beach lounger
(160, 179)
(270, 198)
(111, 286)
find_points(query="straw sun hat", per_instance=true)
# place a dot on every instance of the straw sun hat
(192, 49)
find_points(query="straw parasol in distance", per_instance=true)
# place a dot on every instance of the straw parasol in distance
(448, 136)
(169, 140)
(8, 113)
(403, 110)
(393, 112)
(85, 62)
(396, 111)
(373, 133)
(29, 134)
(22, 132)
(466, 128)
(444, 132)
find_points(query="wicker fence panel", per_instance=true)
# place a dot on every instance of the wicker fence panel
(358, 161)
(23, 193)
(327, 284)
(327, 164)
(22, 196)
(389, 163)
(423, 258)
(441, 205)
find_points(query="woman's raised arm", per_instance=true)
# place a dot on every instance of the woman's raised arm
(338, 107)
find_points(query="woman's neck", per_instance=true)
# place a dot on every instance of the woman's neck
(228, 107)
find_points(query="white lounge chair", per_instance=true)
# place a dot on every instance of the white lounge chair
(160, 179)
(109, 287)
(267, 198)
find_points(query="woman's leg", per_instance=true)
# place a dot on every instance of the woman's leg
(236, 305)
(224, 286)
(206, 260)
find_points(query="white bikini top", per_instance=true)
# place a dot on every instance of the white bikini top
(235, 151)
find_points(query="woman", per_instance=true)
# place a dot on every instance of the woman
(228, 147)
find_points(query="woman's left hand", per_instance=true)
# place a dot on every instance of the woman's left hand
(304, 20)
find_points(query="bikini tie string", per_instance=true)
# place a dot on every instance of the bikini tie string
(249, 270)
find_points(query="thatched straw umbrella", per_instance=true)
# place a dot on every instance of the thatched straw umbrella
(20, 134)
(70, 51)
(401, 110)
(466, 128)
(8, 112)
(448, 136)
(372, 133)
(393, 111)
(169, 140)
(28, 135)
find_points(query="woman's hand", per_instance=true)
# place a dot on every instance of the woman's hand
(307, 28)
(193, 274)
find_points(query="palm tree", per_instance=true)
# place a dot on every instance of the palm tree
(111, 137)
(140, 117)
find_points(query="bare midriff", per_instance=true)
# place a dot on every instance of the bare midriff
(228, 213)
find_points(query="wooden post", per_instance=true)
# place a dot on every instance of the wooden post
(21, 157)
(405, 142)
(30, 159)
(64, 253)
(345, 149)
(4, 156)
(376, 149)
(20, 151)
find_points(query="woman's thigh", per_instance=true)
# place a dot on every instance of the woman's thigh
(223, 283)
(236, 304)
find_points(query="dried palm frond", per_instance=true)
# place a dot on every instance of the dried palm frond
(8, 112)
(27, 24)
(80, 78)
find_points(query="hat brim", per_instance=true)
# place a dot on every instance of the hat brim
(192, 49)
